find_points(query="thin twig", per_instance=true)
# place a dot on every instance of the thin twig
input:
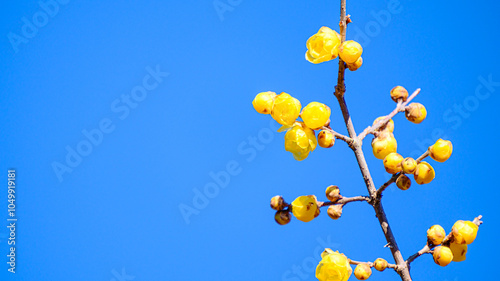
(399, 108)
(339, 136)
(344, 200)
(371, 264)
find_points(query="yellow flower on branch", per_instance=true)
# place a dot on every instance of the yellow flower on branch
(286, 109)
(300, 140)
(323, 46)
(333, 267)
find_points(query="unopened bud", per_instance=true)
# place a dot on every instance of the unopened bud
(333, 193)
(282, 217)
(398, 93)
(335, 211)
(278, 203)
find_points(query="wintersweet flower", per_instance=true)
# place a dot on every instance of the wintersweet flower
(323, 46)
(333, 267)
(286, 109)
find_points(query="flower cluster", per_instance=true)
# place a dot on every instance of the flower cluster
(451, 247)
(300, 138)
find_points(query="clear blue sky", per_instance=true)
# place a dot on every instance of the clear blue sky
(156, 96)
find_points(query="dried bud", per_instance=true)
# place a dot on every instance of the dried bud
(398, 93)
(409, 165)
(392, 163)
(436, 234)
(282, 217)
(362, 271)
(415, 112)
(380, 264)
(442, 255)
(278, 203)
(403, 182)
(326, 139)
(335, 211)
(333, 193)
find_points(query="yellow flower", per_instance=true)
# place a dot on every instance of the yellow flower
(350, 51)
(323, 46)
(333, 267)
(464, 232)
(380, 264)
(459, 251)
(409, 165)
(384, 144)
(300, 140)
(315, 115)
(442, 255)
(326, 139)
(305, 208)
(392, 163)
(441, 150)
(415, 112)
(436, 234)
(286, 109)
(424, 173)
(263, 102)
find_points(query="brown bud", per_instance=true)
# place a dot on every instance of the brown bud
(335, 211)
(398, 93)
(278, 203)
(403, 182)
(333, 193)
(415, 112)
(282, 217)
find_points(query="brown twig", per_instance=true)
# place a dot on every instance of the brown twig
(344, 201)
(371, 264)
(347, 139)
(399, 108)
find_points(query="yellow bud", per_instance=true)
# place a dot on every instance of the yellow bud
(442, 255)
(415, 112)
(384, 144)
(464, 232)
(409, 165)
(356, 65)
(263, 102)
(300, 140)
(350, 51)
(403, 182)
(315, 115)
(335, 211)
(305, 208)
(436, 234)
(333, 193)
(424, 173)
(380, 264)
(326, 139)
(362, 271)
(459, 251)
(323, 46)
(277, 203)
(282, 217)
(398, 93)
(286, 109)
(389, 127)
(333, 267)
(441, 150)
(392, 163)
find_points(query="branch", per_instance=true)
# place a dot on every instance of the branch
(344, 201)
(347, 139)
(427, 249)
(371, 264)
(399, 108)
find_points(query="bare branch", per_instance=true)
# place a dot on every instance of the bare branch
(344, 201)
(399, 108)
(371, 264)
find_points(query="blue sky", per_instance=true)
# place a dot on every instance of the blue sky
(117, 115)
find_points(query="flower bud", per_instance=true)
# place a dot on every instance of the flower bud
(278, 203)
(333, 193)
(459, 251)
(384, 144)
(424, 173)
(354, 66)
(282, 217)
(326, 139)
(441, 150)
(362, 271)
(464, 232)
(415, 112)
(380, 264)
(442, 255)
(403, 182)
(305, 208)
(286, 109)
(315, 115)
(392, 163)
(350, 51)
(389, 127)
(263, 102)
(398, 93)
(409, 165)
(335, 211)
(436, 234)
